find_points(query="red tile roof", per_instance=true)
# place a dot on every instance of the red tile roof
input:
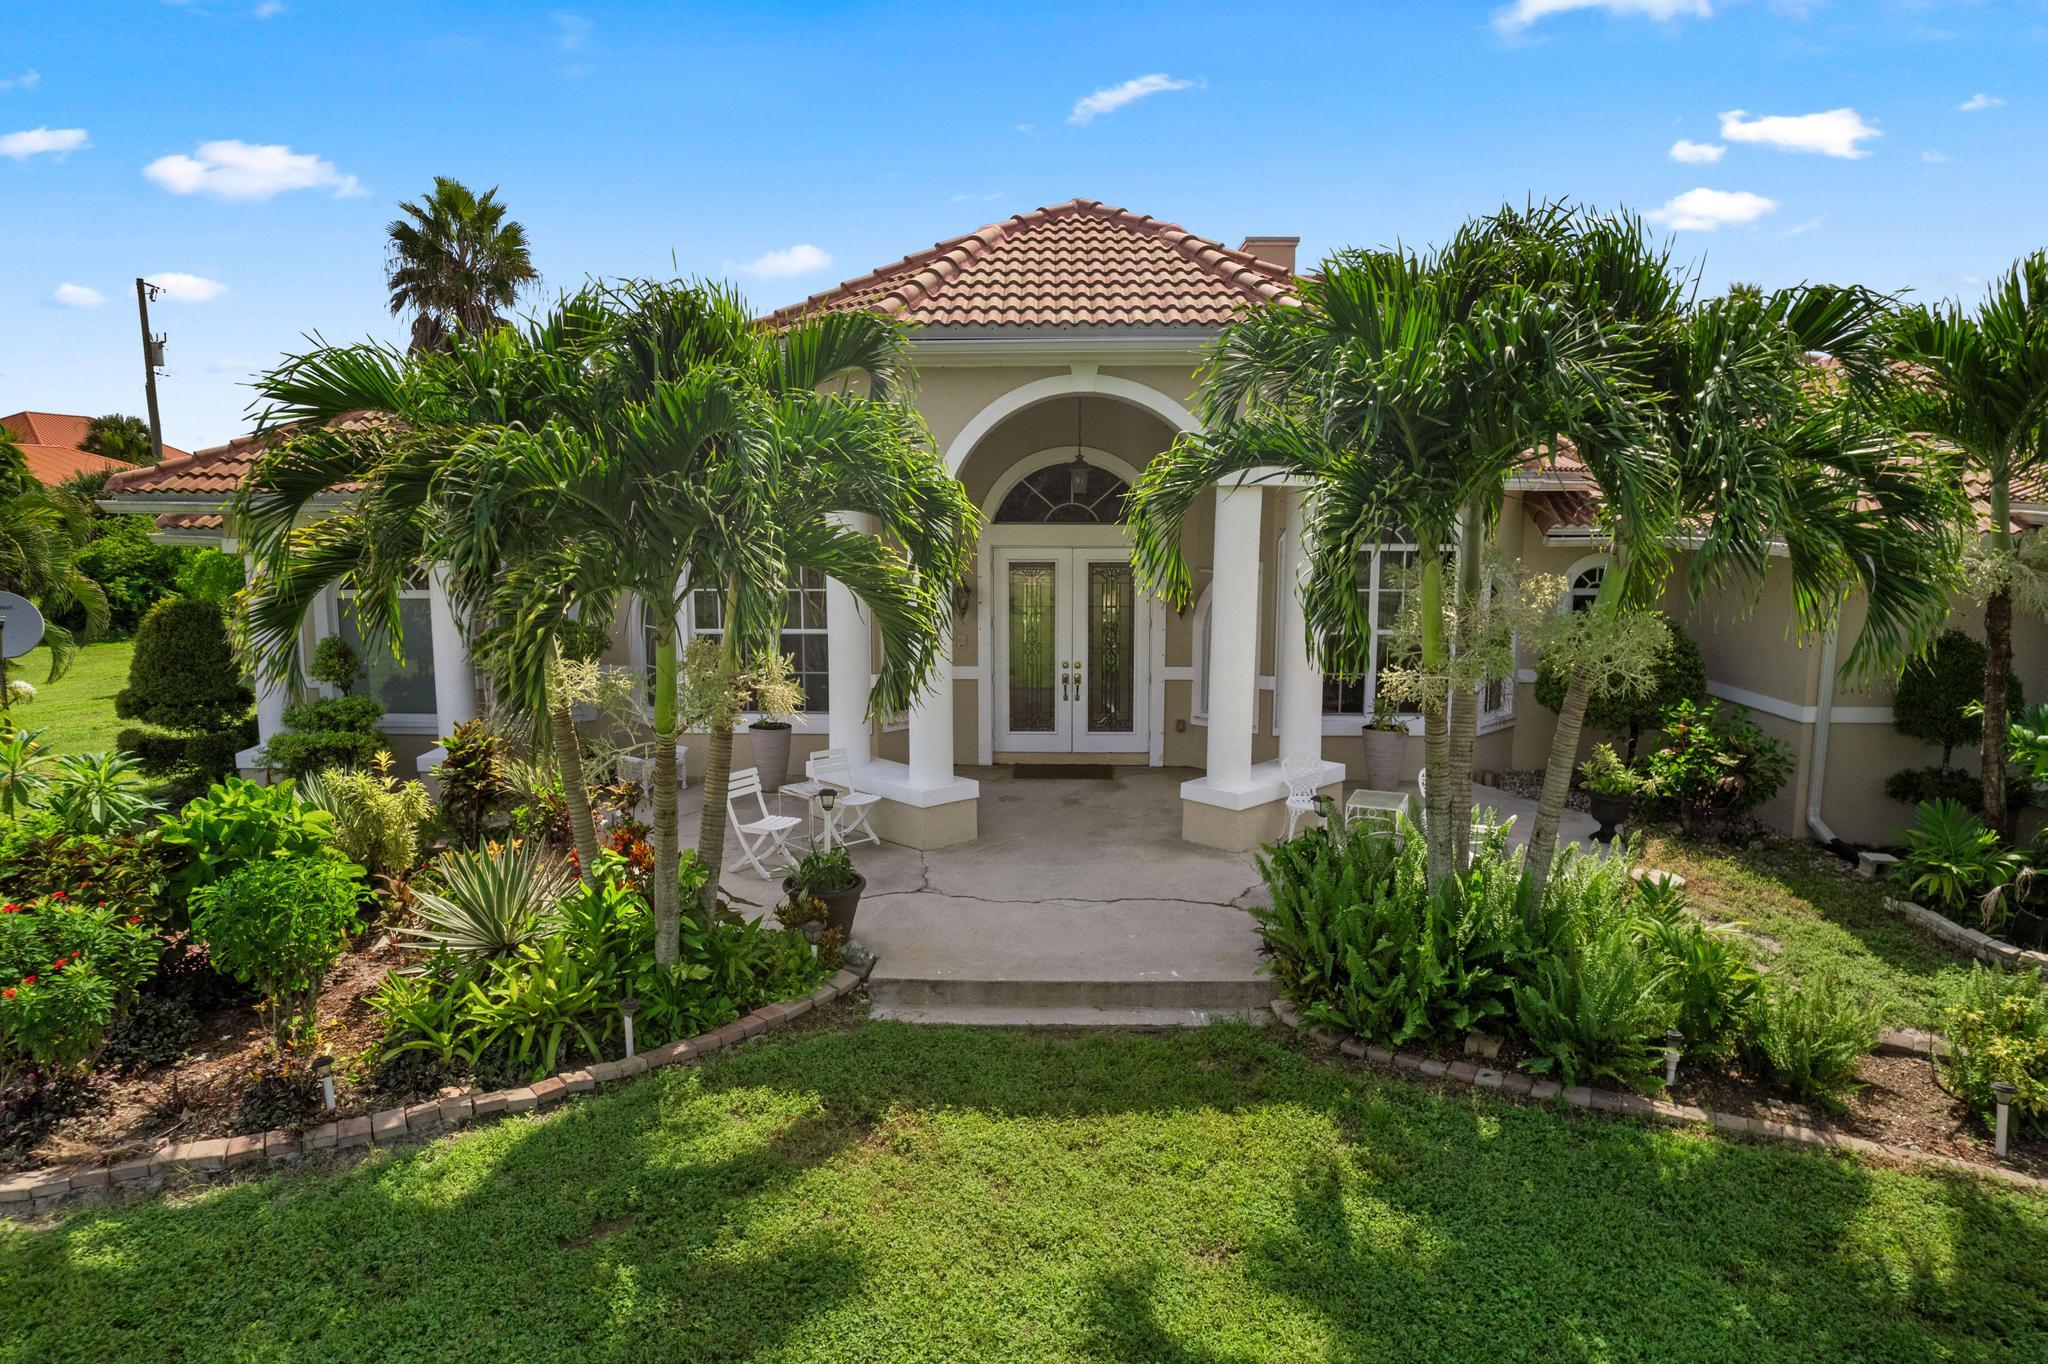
(50, 465)
(218, 470)
(1077, 264)
(62, 429)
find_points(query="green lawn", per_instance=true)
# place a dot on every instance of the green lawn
(76, 712)
(1819, 917)
(901, 1193)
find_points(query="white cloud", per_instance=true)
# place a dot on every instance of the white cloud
(27, 80)
(269, 9)
(1703, 210)
(800, 259)
(572, 31)
(1522, 13)
(1837, 132)
(71, 295)
(1934, 158)
(232, 169)
(1978, 102)
(1697, 153)
(43, 142)
(180, 287)
(1115, 97)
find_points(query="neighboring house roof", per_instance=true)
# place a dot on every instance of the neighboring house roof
(49, 444)
(1077, 264)
(213, 472)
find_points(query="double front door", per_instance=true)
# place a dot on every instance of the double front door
(1072, 645)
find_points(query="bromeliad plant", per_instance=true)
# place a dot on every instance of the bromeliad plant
(1952, 861)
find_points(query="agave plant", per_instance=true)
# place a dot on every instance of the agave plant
(491, 903)
(98, 793)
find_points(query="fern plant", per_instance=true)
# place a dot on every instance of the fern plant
(1811, 1038)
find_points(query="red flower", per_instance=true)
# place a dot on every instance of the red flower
(7, 993)
(10, 909)
(28, 980)
(134, 918)
(56, 895)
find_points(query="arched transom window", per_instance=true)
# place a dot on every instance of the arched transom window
(1075, 493)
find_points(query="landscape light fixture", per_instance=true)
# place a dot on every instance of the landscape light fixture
(1674, 1040)
(2003, 1092)
(323, 1067)
(626, 1008)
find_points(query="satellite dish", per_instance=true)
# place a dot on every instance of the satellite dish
(21, 625)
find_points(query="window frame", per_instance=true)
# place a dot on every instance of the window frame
(332, 609)
(805, 721)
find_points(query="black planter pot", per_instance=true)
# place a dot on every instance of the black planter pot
(1611, 812)
(2028, 929)
(839, 904)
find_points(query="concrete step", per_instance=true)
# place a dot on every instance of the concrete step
(1016, 1016)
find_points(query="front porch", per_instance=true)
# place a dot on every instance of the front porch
(1079, 903)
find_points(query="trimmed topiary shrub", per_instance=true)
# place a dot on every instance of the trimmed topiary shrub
(339, 731)
(1935, 692)
(185, 685)
(1681, 676)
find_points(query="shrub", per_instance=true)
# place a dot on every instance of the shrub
(1714, 768)
(1917, 785)
(1681, 675)
(473, 780)
(39, 855)
(1935, 691)
(1951, 859)
(1605, 774)
(823, 871)
(66, 971)
(1997, 1029)
(278, 924)
(185, 684)
(1598, 1010)
(1709, 978)
(24, 767)
(135, 572)
(329, 732)
(335, 663)
(1810, 1038)
(212, 576)
(236, 823)
(377, 818)
(97, 793)
(490, 904)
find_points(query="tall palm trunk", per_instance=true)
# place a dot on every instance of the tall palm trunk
(667, 894)
(1464, 705)
(1557, 783)
(718, 767)
(575, 793)
(1991, 747)
(1435, 733)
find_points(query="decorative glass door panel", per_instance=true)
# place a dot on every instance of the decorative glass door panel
(1111, 703)
(1034, 617)
(1071, 651)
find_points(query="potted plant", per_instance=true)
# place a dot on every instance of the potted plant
(827, 875)
(1386, 745)
(1613, 789)
(768, 734)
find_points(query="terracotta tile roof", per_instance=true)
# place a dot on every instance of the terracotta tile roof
(1077, 264)
(63, 429)
(50, 465)
(1562, 510)
(190, 521)
(217, 470)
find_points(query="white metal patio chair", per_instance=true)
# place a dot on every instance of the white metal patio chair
(849, 815)
(1303, 772)
(767, 833)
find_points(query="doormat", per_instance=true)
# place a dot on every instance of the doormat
(1063, 771)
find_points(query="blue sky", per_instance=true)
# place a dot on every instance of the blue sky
(255, 149)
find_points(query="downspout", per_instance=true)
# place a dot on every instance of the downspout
(1824, 714)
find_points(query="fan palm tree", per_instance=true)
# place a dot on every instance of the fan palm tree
(456, 262)
(727, 455)
(1976, 386)
(1402, 391)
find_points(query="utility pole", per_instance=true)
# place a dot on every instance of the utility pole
(152, 360)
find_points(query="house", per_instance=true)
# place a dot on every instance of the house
(1057, 353)
(50, 445)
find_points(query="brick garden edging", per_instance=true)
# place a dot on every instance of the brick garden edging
(190, 1162)
(1982, 946)
(1481, 1076)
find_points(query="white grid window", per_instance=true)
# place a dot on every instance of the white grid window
(1380, 571)
(803, 634)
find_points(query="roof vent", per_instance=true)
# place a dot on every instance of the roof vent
(1273, 250)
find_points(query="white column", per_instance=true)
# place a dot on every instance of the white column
(1298, 676)
(849, 663)
(271, 695)
(1233, 636)
(454, 675)
(931, 729)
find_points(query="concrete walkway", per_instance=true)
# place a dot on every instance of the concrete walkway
(1078, 905)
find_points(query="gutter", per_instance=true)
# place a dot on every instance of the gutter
(1823, 716)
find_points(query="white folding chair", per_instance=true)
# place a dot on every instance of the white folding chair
(1303, 772)
(850, 809)
(766, 834)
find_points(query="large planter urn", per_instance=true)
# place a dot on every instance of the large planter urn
(769, 740)
(1385, 751)
(1610, 812)
(839, 904)
(2028, 929)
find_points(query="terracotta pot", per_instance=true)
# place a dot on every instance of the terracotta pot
(1385, 751)
(768, 740)
(1611, 812)
(839, 904)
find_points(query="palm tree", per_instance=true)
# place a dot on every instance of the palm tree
(726, 455)
(455, 262)
(42, 531)
(1402, 391)
(118, 436)
(1976, 386)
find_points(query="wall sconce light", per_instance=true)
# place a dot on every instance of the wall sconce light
(963, 596)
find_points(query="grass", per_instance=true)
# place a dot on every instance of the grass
(903, 1193)
(76, 712)
(1819, 918)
